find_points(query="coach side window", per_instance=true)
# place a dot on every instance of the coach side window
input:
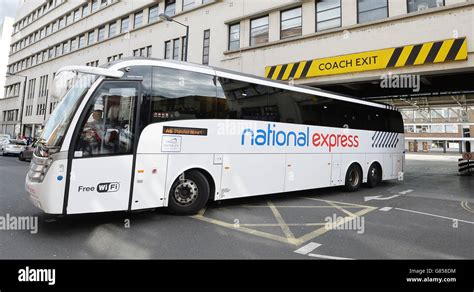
(180, 95)
(244, 101)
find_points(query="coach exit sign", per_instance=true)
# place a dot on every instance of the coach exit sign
(412, 55)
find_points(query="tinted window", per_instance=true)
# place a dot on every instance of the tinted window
(246, 101)
(179, 95)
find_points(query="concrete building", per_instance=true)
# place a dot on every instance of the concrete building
(6, 30)
(415, 54)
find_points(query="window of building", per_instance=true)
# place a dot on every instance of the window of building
(184, 42)
(66, 47)
(69, 19)
(328, 14)
(168, 50)
(370, 10)
(77, 15)
(138, 19)
(176, 49)
(112, 29)
(85, 10)
(62, 22)
(153, 14)
(149, 51)
(101, 34)
(73, 44)
(291, 23)
(91, 38)
(82, 41)
(206, 47)
(170, 7)
(31, 89)
(188, 4)
(234, 36)
(58, 50)
(125, 25)
(419, 5)
(259, 31)
(95, 5)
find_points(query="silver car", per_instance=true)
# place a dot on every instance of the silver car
(13, 147)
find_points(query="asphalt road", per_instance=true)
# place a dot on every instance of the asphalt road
(430, 215)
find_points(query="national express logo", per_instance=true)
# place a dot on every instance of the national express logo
(274, 137)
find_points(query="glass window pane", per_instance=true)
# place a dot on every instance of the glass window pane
(418, 5)
(329, 24)
(291, 14)
(365, 5)
(327, 4)
(329, 14)
(372, 15)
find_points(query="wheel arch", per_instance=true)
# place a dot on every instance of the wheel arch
(207, 174)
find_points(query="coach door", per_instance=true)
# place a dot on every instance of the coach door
(104, 145)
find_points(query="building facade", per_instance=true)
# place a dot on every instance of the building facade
(350, 46)
(9, 114)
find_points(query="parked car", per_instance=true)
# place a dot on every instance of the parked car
(27, 154)
(14, 147)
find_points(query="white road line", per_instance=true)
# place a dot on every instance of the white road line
(434, 215)
(385, 209)
(314, 255)
(405, 192)
(305, 250)
(308, 248)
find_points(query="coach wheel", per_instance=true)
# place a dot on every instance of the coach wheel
(353, 178)
(374, 177)
(189, 193)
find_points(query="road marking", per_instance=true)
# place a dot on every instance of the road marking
(315, 255)
(380, 198)
(286, 230)
(434, 215)
(307, 250)
(385, 209)
(322, 228)
(466, 207)
(405, 192)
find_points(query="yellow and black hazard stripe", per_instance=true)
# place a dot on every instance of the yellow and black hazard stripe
(411, 55)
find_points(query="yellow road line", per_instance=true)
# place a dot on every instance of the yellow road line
(286, 230)
(243, 229)
(335, 202)
(341, 209)
(287, 224)
(296, 207)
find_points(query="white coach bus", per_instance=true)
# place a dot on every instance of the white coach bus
(144, 133)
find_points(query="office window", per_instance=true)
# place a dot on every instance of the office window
(259, 31)
(328, 14)
(291, 24)
(206, 46)
(95, 5)
(125, 24)
(82, 41)
(101, 33)
(184, 42)
(370, 10)
(77, 15)
(170, 7)
(188, 4)
(51, 53)
(168, 50)
(419, 5)
(66, 47)
(69, 19)
(91, 38)
(138, 19)
(73, 44)
(149, 51)
(62, 22)
(176, 49)
(112, 29)
(85, 10)
(153, 14)
(234, 36)
(58, 50)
